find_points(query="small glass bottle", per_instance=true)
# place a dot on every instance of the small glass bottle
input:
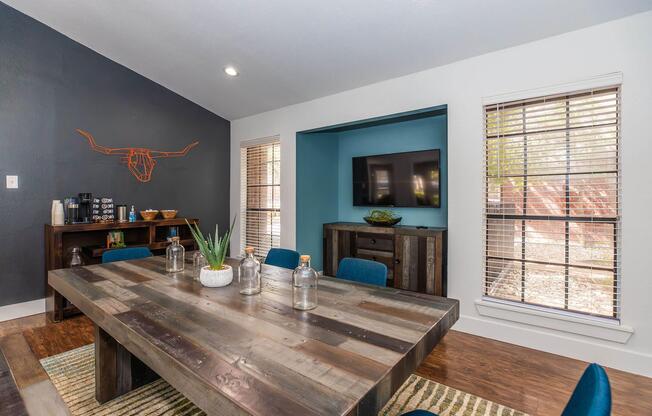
(75, 258)
(304, 285)
(175, 256)
(198, 262)
(132, 214)
(249, 273)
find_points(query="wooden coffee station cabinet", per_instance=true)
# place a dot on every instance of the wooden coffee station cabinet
(415, 256)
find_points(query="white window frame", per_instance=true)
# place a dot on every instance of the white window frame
(273, 140)
(570, 322)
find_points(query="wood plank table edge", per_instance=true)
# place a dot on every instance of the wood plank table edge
(40, 396)
(373, 402)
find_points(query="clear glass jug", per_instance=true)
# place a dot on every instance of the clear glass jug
(198, 261)
(75, 259)
(249, 273)
(174, 256)
(304, 285)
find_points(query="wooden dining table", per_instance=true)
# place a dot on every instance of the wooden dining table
(232, 354)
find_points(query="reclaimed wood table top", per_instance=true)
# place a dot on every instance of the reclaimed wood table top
(236, 354)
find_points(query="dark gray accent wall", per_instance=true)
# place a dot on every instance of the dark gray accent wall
(49, 86)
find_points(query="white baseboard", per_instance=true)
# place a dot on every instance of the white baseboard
(19, 310)
(613, 357)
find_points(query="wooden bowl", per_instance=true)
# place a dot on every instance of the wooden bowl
(149, 215)
(169, 214)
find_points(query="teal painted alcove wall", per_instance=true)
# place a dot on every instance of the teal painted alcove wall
(324, 174)
(421, 134)
(317, 191)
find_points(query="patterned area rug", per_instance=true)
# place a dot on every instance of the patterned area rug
(73, 374)
(420, 393)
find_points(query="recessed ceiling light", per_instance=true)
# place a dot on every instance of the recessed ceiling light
(231, 71)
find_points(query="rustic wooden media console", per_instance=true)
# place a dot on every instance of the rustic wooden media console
(91, 238)
(415, 256)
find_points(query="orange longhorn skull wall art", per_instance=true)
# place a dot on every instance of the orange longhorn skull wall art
(139, 160)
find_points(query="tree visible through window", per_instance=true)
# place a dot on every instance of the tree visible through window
(260, 196)
(552, 213)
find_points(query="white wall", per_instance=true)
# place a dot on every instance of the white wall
(620, 46)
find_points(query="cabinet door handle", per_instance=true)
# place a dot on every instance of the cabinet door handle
(373, 241)
(397, 261)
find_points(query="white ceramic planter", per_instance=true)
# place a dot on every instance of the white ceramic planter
(216, 278)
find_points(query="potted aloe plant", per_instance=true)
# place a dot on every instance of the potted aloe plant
(214, 249)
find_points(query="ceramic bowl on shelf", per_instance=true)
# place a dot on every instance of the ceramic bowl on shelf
(169, 214)
(149, 215)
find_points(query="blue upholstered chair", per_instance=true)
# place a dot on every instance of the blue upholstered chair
(282, 257)
(130, 253)
(592, 395)
(363, 271)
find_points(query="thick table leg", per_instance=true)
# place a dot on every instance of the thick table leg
(54, 305)
(116, 370)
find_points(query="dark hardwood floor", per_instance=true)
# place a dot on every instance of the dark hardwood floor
(532, 381)
(54, 339)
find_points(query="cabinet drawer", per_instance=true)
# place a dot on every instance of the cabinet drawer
(375, 242)
(381, 257)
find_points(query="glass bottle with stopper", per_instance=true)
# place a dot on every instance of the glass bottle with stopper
(175, 256)
(304, 285)
(249, 273)
(75, 259)
(198, 261)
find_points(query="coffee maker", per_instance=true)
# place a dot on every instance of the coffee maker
(85, 208)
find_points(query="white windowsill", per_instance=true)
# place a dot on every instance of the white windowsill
(606, 329)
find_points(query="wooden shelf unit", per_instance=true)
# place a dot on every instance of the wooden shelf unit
(91, 238)
(415, 256)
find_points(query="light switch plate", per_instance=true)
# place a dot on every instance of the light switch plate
(12, 182)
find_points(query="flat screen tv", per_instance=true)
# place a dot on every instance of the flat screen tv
(409, 179)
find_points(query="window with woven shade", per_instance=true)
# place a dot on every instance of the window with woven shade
(552, 201)
(260, 198)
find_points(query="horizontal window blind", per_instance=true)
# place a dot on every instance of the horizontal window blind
(552, 201)
(260, 197)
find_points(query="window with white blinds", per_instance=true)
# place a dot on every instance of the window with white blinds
(552, 201)
(260, 196)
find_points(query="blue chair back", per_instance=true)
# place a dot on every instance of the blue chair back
(130, 253)
(419, 412)
(282, 257)
(592, 395)
(363, 271)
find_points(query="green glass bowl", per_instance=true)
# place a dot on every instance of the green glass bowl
(377, 223)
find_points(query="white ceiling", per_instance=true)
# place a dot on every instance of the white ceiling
(289, 51)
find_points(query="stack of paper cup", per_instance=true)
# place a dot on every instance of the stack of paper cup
(57, 213)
